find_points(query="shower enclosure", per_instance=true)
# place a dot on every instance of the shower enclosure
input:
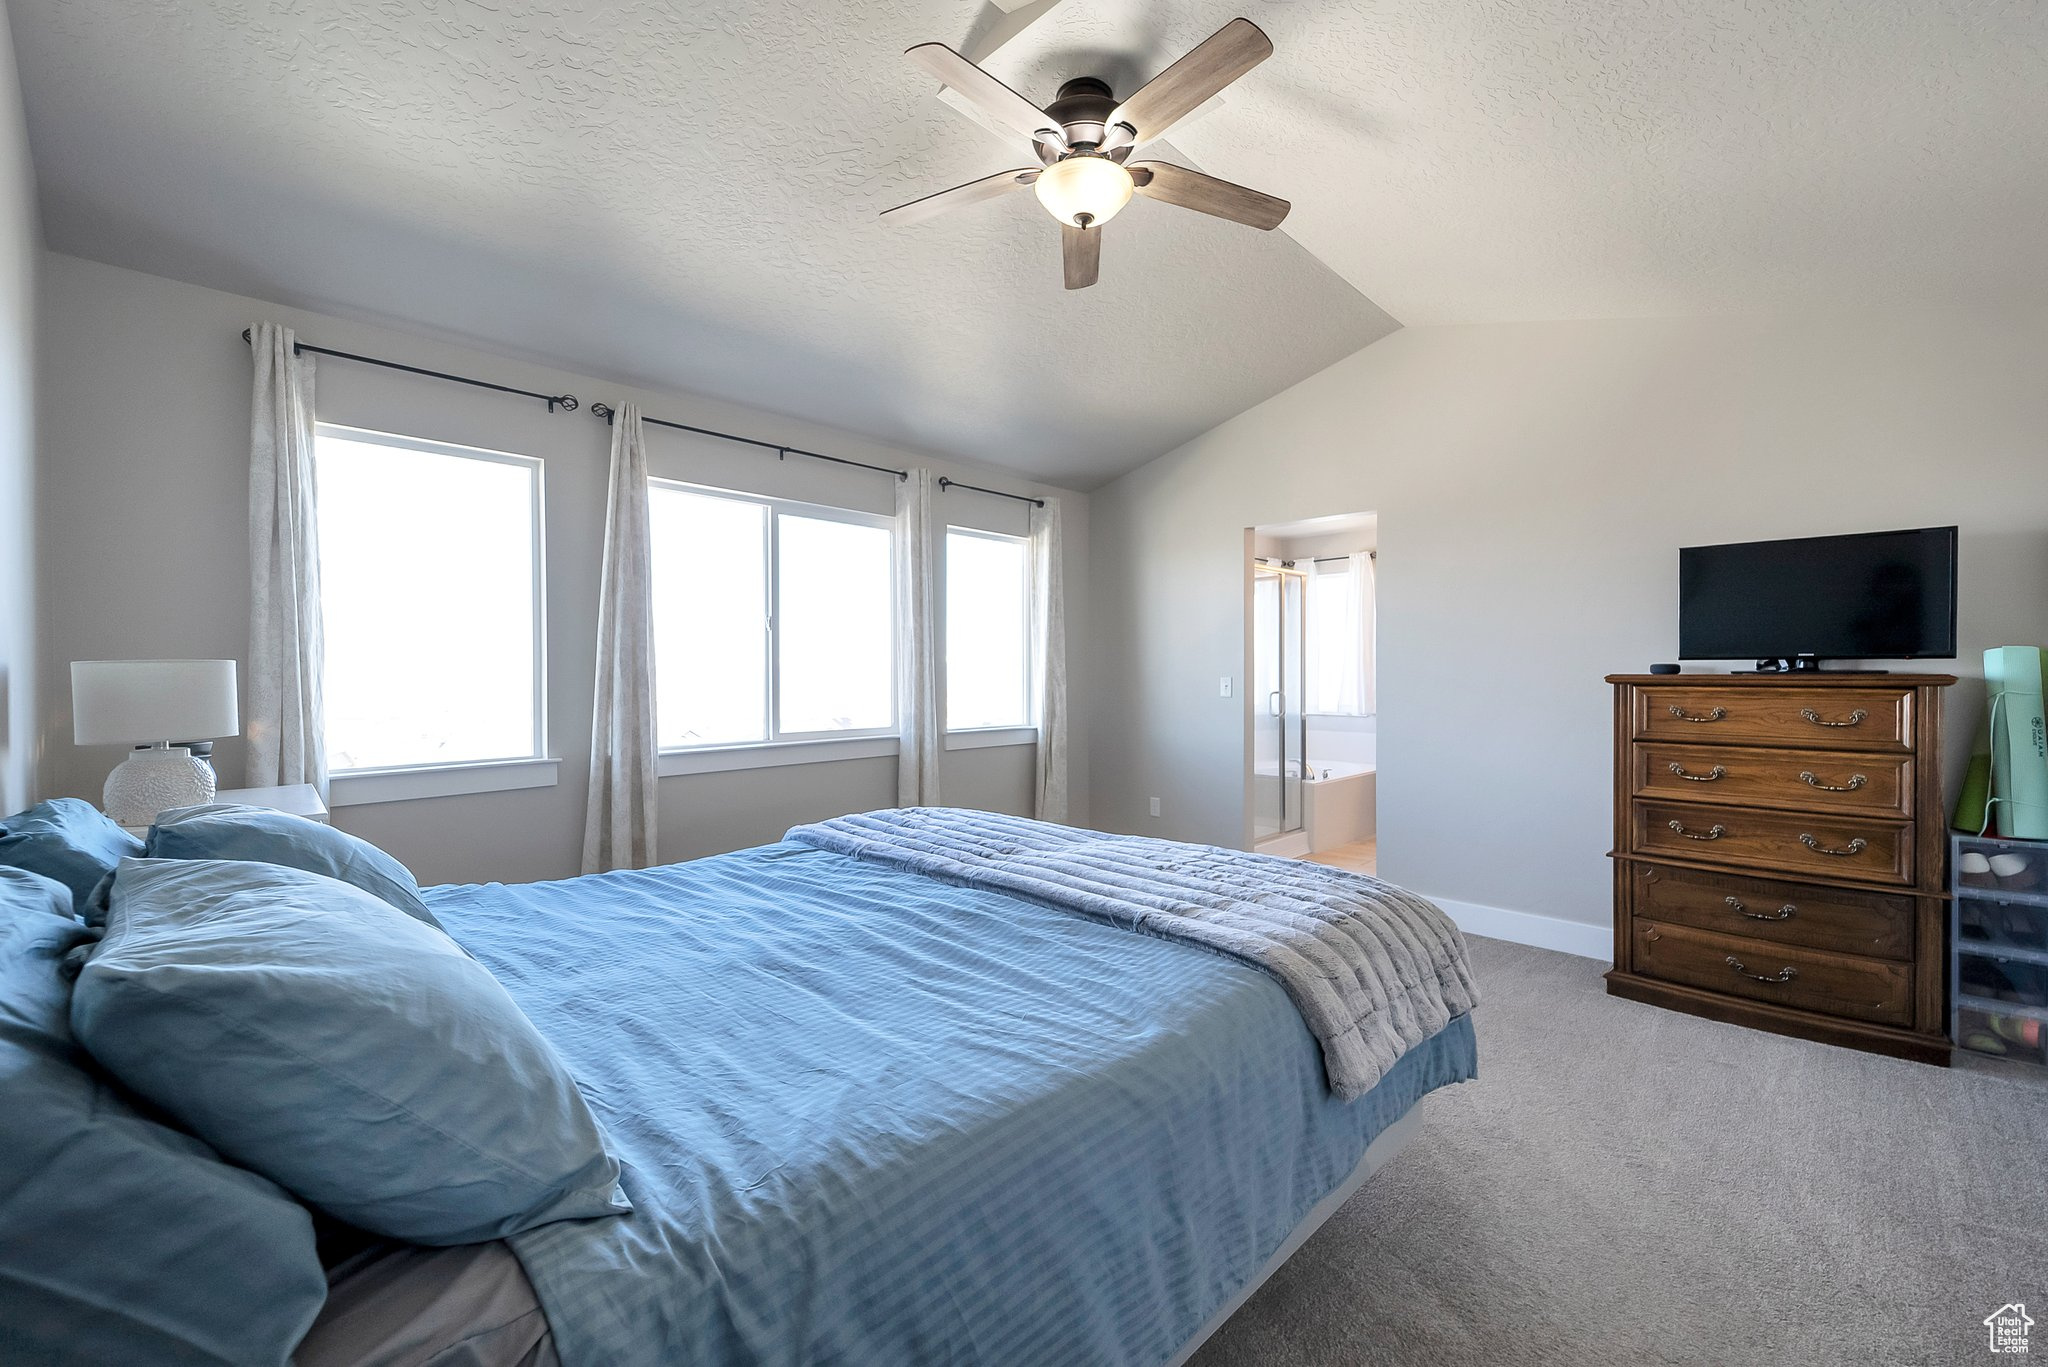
(1280, 720)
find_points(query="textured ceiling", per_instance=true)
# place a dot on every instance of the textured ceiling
(678, 195)
(686, 196)
(1494, 160)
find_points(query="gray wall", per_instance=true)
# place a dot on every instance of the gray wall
(1533, 483)
(20, 252)
(145, 550)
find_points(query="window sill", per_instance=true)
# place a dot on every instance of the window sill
(365, 787)
(987, 737)
(720, 759)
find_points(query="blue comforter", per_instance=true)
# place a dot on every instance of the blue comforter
(868, 1117)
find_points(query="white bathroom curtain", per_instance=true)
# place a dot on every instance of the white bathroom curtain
(1341, 626)
(619, 821)
(1049, 659)
(284, 721)
(921, 728)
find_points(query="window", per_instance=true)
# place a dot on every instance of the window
(1340, 665)
(988, 630)
(773, 621)
(433, 617)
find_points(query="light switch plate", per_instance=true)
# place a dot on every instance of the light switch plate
(1155, 806)
(1223, 690)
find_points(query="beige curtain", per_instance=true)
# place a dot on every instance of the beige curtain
(619, 821)
(1049, 658)
(284, 722)
(921, 728)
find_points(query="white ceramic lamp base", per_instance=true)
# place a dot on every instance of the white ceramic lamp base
(155, 780)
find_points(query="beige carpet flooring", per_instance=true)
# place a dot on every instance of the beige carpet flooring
(1630, 1185)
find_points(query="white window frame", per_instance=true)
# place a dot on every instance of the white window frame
(398, 783)
(986, 737)
(788, 747)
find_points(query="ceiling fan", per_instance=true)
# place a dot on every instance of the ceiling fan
(1083, 141)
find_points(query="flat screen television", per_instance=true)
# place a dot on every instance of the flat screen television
(1791, 604)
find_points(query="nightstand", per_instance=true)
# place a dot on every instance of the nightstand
(295, 799)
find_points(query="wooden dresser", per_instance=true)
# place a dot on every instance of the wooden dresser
(1780, 849)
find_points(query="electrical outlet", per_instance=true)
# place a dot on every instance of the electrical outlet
(1223, 690)
(1155, 806)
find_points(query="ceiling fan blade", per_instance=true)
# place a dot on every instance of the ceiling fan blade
(1162, 180)
(1002, 104)
(1218, 60)
(1081, 253)
(973, 192)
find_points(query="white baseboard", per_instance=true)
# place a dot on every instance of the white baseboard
(1528, 928)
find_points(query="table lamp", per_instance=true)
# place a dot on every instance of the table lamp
(153, 702)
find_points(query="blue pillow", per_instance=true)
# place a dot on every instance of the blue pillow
(121, 1239)
(67, 839)
(223, 830)
(354, 1055)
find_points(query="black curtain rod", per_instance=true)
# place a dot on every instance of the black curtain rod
(566, 401)
(607, 412)
(945, 484)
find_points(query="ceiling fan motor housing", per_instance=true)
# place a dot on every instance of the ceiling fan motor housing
(1082, 111)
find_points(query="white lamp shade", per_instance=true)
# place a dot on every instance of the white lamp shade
(129, 702)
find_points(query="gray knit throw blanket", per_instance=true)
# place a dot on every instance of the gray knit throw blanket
(1373, 970)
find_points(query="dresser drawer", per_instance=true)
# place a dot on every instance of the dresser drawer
(1875, 718)
(1857, 848)
(1799, 780)
(1843, 985)
(1788, 913)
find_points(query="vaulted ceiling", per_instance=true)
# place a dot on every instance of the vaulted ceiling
(685, 196)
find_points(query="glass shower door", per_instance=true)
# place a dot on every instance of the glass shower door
(1267, 768)
(1279, 721)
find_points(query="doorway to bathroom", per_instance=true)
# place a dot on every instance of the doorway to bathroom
(1311, 710)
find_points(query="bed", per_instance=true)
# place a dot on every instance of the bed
(867, 1114)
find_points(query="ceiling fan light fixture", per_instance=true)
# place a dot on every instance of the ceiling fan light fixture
(1084, 190)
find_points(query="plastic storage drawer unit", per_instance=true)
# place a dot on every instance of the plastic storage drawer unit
(1998, 937)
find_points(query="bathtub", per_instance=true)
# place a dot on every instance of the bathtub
(1337, 805)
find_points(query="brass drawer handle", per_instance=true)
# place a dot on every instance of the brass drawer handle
(1855, 781)
(1712, 714)
(1854, 847)
(1713, 832)
(1854, 717)
(1783, 975)
(1716, 772)
(1784, 913)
